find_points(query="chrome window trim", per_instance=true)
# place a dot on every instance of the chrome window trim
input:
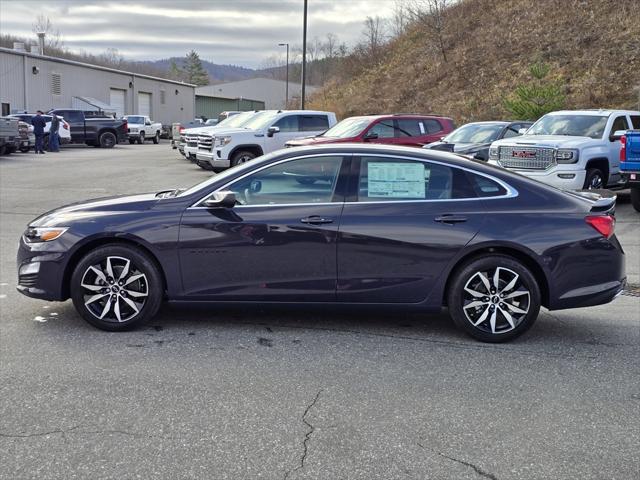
(511, 192)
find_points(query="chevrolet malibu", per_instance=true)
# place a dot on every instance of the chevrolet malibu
(337, 224)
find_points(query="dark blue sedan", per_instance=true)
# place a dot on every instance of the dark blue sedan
(338, 224)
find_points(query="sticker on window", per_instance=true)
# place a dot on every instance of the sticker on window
(397, 180)
(422, 130)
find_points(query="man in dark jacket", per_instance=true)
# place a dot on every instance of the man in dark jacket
(54, 138)
(39, 123)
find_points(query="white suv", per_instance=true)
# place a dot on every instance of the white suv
(571, 149)
(268, 131)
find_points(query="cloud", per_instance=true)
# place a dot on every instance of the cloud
(241, 32)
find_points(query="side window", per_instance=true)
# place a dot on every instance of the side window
(288, 123)
(304, 180)
(410, 128)
(388, 179)
(432, 126)
(635, 120)
(71, 116)
(620, 123)
(384, 129)
(512, 130)
(314, 123)
(485, 187)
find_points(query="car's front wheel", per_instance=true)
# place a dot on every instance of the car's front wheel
(141, 138)
(156, 138)
(594, 180)
(116, 287)
(494, 298)
(242, 157)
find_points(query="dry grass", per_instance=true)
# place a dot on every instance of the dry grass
(592, 46)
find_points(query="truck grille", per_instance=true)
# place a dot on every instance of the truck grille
(527, 158)
(205, 143)
(192, 140)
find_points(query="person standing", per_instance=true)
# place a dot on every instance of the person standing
(54, 137)
(39, 123)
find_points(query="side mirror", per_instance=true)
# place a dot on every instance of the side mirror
(522, 131)
(371, 136)
(272, 130)
(221, 200)
(617, 135)
(148, 124)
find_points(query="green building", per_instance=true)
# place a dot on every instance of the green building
(211, 106)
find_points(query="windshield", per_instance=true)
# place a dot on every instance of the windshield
(349, 127)
(474, 133)
(135, 119)
(570, 125)
(237, 120)
(261, 120)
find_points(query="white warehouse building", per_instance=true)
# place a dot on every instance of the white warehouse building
(30, 82)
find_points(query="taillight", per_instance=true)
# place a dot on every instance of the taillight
(604, 224)
(181, 129)
(623, 148)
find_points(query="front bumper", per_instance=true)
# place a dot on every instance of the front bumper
(559, 177)
(46, 282)
(212, 160)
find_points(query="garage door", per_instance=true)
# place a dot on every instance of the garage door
(144, 104)
(117, 101)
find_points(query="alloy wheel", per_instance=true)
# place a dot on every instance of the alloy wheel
(596, 182)
(114, 290)
(495, 301)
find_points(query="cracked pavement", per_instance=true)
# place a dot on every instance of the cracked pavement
(273, 394)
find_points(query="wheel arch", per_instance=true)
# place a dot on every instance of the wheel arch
(100, 241)
(602, 164)
(253, 148)
(527, 258)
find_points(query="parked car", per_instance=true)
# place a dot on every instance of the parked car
(141, 128)
(64, 130)
(268, 131)
(212, 122)
(9, 139)
(177, 130)
(230, 113)
(92, 128)
(568, 149)
(27, 139)
(474, 139)
(418, 229)
(630, 161)
(399, 129)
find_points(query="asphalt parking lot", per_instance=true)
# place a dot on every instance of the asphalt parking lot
(237, 394)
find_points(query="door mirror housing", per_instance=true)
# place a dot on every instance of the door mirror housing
(147, 123)
(371, 136)
(221, 200)
(272, 131)
(617, 135)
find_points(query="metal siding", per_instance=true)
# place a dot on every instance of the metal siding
(12, 81)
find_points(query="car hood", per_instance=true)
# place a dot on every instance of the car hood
(554, 141)
(457, 147)
(299, 142)
(98, 207)
(193, 130)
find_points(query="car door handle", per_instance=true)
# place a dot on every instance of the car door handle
(316, 220)
(451, 219)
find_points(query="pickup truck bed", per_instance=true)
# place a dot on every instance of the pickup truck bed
(630, 165)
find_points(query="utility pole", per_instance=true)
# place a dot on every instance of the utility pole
(304, 54)
(286, 89)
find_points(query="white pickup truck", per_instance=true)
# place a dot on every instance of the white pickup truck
(141, 128)
(571, 149)
(266, 132)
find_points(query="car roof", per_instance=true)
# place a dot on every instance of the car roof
(301, 112)
(595, 112)
(378, 116)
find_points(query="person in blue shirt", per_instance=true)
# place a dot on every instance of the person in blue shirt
(39, 123)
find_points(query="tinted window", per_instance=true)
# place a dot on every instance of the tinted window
(71, 116)
(511, 131)
(314, 123)
(306, 180)
(485, 187)
(388, 179)
(410, 128)
(620, 123)
(432, 126)
(635, 120)
(384, 129)
(288, 123)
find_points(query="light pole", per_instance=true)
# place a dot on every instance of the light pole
(304, 54)
(286, 95)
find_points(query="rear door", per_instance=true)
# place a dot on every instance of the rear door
(403, 222)
(620, 122)
(75, 119)
(411, 132)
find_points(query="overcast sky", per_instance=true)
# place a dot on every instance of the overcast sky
(240, 32)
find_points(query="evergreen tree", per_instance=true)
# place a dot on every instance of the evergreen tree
(175, 71)
(194, 72)
(536, 98)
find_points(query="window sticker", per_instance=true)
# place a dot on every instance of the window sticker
(422, 131)
(397, 180)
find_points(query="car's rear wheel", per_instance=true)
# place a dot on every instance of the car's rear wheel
(141, 138)
(108, 140)
(116, 287)
(494, 298)
(242, 157)
(132, 141)
(156, 138)
(594, 180)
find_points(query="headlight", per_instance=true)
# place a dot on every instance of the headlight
(43, 234)
(566, 156)
(494, 153)
(222, 141)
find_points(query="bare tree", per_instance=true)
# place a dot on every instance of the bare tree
(44, 25)
(432, 15)
(374, 34)
(112, 57)
(330, 46)
(400, 19)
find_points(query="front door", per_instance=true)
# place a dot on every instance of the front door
(407, 221)
(277, 243)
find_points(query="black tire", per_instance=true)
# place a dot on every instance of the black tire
(108, 140)
(492, 324)
(150, 284)
(594, 180)
(635, 198)
(156, 138)
(24, 149)
(241, 157)
(141, 138)
(132, 141)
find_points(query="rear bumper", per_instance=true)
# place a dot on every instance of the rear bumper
(590, 296)
(632, 178)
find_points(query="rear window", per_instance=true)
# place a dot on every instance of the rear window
(314, 123)
(635, 120)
